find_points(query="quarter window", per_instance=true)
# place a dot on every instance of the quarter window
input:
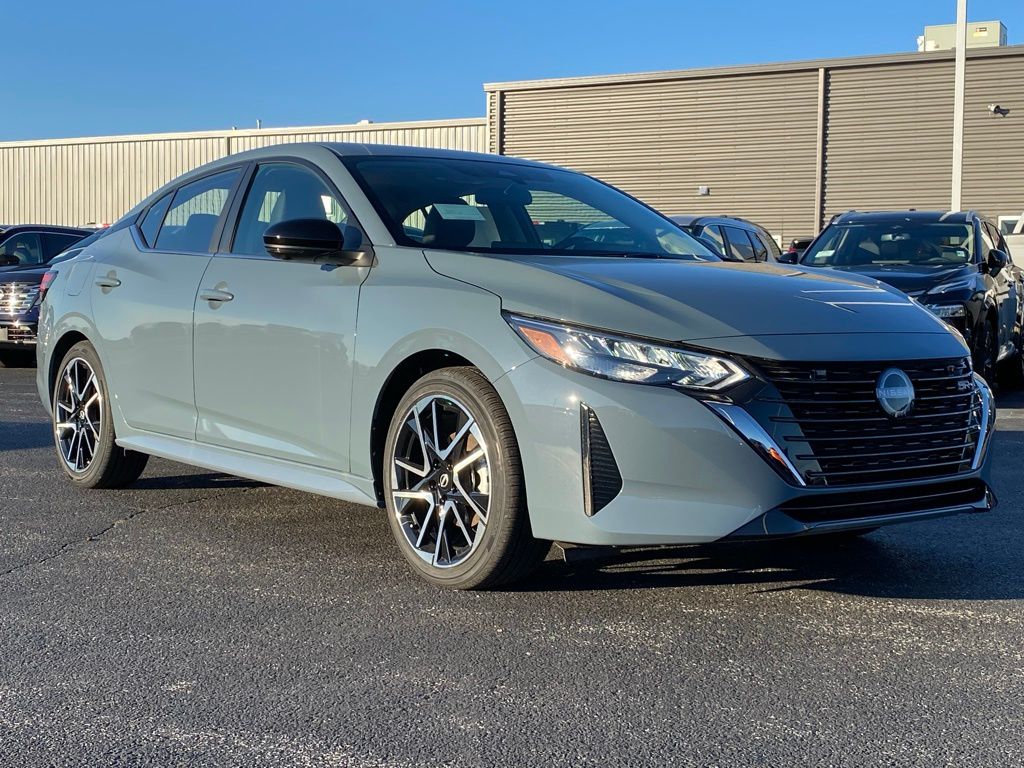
(193, 215)
(154, 218)
(282, 191)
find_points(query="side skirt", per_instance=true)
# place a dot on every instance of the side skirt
(261, 468)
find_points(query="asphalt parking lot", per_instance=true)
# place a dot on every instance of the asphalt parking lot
(199, 618)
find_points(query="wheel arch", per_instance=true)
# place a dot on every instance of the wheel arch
(397, 383)
(60, 348)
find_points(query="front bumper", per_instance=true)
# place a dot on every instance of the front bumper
(17, 335)
(686, 475)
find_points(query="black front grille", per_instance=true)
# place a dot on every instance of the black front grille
(827, 418)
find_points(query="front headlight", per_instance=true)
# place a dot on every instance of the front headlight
(626, 359)
(947, 311)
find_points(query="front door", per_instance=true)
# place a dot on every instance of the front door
(274, 339)
(142, 299)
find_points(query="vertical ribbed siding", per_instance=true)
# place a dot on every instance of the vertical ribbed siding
(751, 139)
(888, 137)
(98, 180)
(994, 144)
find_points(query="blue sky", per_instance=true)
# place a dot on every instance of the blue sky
(77, 69)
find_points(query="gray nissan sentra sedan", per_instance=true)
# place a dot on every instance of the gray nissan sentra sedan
(423, 331)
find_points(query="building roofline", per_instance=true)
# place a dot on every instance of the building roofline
(750, 69)
(231, 133)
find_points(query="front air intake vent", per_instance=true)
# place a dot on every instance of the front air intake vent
(601, 479)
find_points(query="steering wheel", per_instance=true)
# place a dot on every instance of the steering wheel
(576, 243)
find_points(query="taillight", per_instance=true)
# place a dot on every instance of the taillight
(44, 286)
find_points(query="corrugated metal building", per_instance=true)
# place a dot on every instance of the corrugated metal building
(786, 145)
(77, 181)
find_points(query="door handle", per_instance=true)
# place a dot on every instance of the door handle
(215, 295)
(108, 281)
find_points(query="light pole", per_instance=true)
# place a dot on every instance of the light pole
(958, 105)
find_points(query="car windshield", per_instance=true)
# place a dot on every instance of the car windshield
(494, 207)
(895, 243)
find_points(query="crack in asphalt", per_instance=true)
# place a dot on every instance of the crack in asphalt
(67, 546)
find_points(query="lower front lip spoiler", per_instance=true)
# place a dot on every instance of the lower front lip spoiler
(777, 523)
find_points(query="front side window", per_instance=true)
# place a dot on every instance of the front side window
(282, 191)
(894, 244)
(500, 207)
(192, 217)
(712, 234)
(22, 248)
(769, 243)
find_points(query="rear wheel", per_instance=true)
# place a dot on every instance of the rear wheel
(453, 484)
(83, 428)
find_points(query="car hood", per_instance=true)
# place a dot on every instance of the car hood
(677, 300)
(912, 278)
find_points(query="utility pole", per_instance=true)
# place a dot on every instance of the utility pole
(958, 106)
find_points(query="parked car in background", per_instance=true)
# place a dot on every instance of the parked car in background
(730, 237)
(796, 249)
(21, 292)
(386, 325)
(955, 264)
(34, 244)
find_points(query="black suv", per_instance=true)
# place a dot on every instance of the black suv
(35, 243)
(21, 293)
(732, 238)
(955, 264)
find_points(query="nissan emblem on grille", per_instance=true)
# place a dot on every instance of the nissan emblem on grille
(895, 392)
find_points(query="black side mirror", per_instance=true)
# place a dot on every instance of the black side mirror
(788, 257)
(313, 240)
(997, 261)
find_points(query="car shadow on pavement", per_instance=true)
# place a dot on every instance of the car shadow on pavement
(24, 436)
(875, 566)
(213, 480)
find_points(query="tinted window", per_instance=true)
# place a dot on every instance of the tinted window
(712, 234)
(987, 242)
(898, 242)
(769, 243)
(739, 244)
(506, 207)
(154, 218)
(760, 249)
(54, 244)
(192, 217)
(282, 191)
(22, 248)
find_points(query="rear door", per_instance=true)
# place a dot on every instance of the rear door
(1007, 287)
(274, 339)
(143, 295)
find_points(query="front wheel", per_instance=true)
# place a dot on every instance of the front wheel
(83, 428)
(453, 484)
(985, 352)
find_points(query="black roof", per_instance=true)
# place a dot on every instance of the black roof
(920, 217)
(52, 228)
(690, 220)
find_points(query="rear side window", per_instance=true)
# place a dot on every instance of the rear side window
(22, 248)
(154, 218)
(192, 218)
(739, 244)
(712, 234)
(54, 243)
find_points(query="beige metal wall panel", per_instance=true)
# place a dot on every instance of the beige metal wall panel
(994, 143)
(96, 180)
(888, 137)
(751, 139)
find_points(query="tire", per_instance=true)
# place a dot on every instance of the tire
(985, 352)
(443, 484)
(83, 427)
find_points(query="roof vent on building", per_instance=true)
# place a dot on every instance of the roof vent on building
(980, 34)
